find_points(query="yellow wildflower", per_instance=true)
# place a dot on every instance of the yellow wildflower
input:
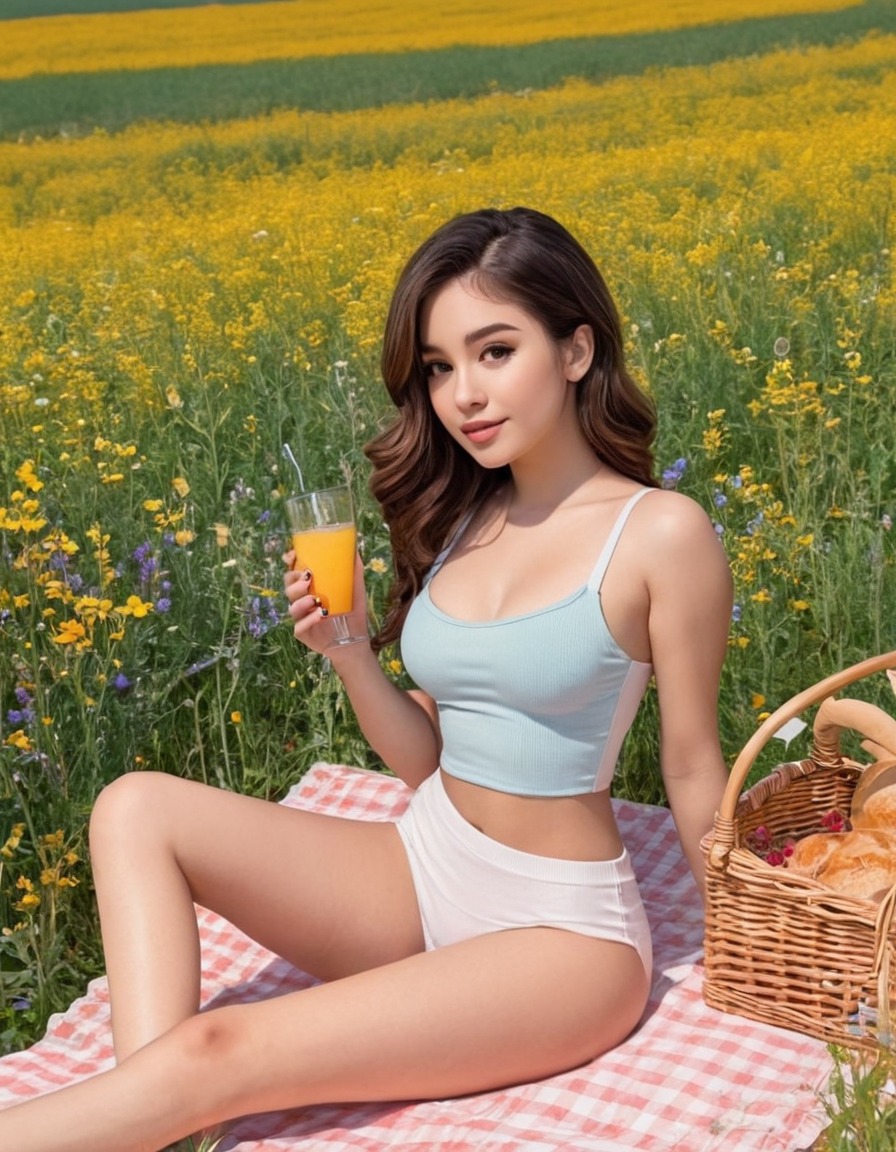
(135, 606)
(91, 608)
(713, 438)
(28, 903)
(70, 632)
(26, 475)
(13, 841)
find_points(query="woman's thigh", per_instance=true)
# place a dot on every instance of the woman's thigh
(331, 895)
(502, 1008)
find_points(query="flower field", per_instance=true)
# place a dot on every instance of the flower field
(289, 29)
(177, 298)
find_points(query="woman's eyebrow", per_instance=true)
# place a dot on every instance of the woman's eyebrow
(478, 334)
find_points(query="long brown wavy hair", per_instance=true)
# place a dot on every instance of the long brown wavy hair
(424, 481)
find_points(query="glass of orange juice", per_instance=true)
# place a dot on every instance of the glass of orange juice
(324, 538)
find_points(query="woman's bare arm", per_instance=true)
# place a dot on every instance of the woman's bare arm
(690, 590)
(401, 727)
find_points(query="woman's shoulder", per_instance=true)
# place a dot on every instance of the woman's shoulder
(668, 510)
(675, 527)
(682, 550)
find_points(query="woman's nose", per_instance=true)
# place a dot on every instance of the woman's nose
(468, 392)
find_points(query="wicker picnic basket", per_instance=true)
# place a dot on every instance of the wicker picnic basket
(783, 948)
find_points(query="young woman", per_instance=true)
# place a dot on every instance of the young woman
(495, 934)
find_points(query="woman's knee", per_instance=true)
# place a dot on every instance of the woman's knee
(127, 808)
(214, 1053)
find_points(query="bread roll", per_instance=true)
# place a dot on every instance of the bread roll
(812, 852)
(877, 810)
(863, 865)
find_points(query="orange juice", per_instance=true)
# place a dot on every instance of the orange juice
(329, 552)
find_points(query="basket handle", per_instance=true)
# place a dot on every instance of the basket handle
(833, 716)
(722, 839)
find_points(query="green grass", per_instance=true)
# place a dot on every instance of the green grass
(46, 104)
(23, 9)
(860, 1101)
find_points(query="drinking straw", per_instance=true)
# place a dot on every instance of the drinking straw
(290, 456)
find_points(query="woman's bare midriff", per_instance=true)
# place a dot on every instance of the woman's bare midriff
(564, 827)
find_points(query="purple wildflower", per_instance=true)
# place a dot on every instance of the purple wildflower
(261, 616)
(145, 560)
(672, 475)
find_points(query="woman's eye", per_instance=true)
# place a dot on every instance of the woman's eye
(497, 352)
(436, 368)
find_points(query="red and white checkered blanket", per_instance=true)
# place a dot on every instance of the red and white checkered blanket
(690, 1079)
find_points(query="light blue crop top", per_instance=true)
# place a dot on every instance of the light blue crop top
(536, 704)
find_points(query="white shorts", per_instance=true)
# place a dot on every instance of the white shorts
(468, 884)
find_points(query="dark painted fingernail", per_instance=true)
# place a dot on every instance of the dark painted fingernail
(324, 612)
(306, 575)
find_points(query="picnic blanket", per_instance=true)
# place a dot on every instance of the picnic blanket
(690, 1078)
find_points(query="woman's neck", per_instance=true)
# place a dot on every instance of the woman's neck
(538, 488)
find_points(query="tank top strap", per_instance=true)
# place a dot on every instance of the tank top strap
(446, 551)
(606, 554)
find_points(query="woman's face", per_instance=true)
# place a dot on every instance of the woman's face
(499, 383)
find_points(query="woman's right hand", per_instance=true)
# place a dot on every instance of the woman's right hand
(310, 625)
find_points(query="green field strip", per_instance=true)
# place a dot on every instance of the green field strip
(26, 9)
(77, 103)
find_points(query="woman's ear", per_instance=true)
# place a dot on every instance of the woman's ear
(579, 353)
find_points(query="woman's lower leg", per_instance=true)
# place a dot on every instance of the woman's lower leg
(148, 919)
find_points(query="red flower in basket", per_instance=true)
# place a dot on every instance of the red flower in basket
(777, 852)
(835, 821)
(766, 848)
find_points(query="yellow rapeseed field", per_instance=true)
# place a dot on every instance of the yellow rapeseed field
(293, 29)
(172, 260)
(664, 176)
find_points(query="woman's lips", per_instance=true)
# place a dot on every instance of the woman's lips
(481, 431)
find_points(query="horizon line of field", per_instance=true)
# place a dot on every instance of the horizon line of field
(78, 103)
(29, 10)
